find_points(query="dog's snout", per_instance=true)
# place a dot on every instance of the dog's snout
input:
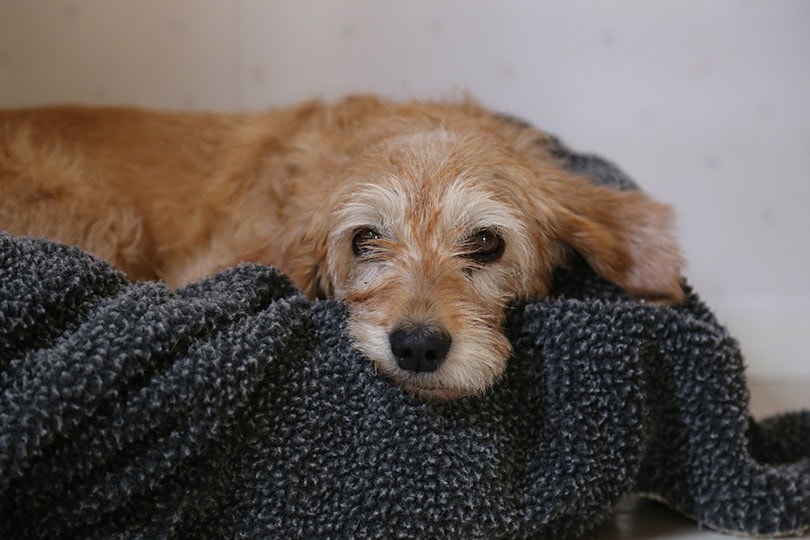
(421, 348)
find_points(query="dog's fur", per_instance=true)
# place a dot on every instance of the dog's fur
(427, 219)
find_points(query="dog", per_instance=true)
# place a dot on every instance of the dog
(426, 218)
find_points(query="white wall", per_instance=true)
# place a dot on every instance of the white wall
(704, 102)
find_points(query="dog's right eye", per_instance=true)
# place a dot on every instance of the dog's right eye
(364, 241)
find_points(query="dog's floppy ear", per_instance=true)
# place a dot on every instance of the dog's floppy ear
(308, 264)
(624, 235)
(304, 260)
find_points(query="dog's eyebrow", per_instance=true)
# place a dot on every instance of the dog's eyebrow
(470, 207)
(372, 205)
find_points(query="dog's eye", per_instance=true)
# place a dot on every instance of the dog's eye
(364, 241)
(484, 246)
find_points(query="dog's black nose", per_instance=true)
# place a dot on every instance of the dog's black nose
(420, 348)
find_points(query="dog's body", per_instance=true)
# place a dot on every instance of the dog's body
(427, 219)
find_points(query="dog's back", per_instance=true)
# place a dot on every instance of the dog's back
(108, 180)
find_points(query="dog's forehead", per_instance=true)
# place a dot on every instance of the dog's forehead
(437, 154)
(435, 182)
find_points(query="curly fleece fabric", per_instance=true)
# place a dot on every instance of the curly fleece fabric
(235, 407)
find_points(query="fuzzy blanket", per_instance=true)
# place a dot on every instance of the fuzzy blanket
(237, 407)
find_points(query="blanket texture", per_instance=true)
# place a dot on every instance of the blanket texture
(235, 407)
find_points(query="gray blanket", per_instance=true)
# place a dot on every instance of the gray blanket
(237, 407)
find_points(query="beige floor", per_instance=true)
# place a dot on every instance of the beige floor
(640, 519)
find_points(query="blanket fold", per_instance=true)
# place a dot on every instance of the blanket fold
(237, 407)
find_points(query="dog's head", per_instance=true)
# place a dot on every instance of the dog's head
(434, 230)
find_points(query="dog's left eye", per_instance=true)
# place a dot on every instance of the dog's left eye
(484, 246)
(363, 241)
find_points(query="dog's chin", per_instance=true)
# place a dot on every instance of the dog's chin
(472, 366)
(429, 388)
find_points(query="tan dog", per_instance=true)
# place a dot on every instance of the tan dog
(427, 219)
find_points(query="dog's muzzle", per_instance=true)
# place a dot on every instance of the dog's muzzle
(420, 348)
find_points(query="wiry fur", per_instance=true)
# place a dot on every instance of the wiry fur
(178, 196)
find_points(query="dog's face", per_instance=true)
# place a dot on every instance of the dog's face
(434, 232)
